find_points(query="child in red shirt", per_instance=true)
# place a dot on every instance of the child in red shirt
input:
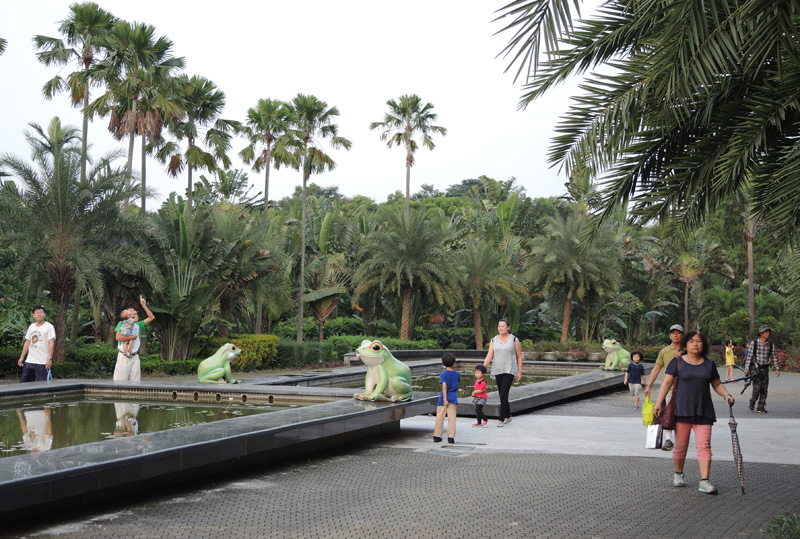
(479, 396)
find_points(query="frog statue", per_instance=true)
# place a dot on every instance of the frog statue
(217, 368)
(617, 358)
(388, 379)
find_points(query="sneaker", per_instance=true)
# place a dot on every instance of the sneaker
(752, 406)
(451, 440)
(707, 488)
(677, 480)
(508, 420)
(761, 410)
(485, 423)
(667, 445)
(499, 423)
(436, 439)
(478, 424)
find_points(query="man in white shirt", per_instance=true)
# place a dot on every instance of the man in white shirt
(40, 341)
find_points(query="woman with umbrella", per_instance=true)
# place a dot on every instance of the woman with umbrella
(694, 374)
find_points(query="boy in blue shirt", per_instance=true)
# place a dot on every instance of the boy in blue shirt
(635, 376)
(448, 400)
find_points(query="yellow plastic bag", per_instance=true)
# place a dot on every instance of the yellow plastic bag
(647, 411)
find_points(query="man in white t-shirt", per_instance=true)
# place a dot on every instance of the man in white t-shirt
(40, 341)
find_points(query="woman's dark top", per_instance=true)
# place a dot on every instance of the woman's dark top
(693, 398)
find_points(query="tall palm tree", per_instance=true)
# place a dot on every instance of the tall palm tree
(136, 63)
(486, 272)
(408, 254)
(313, 122)
(561, 263)
(408, 117)
(201, 103)
(268, 130)
(61, 226)
(83, 30)
(701, 97)
(691, 256)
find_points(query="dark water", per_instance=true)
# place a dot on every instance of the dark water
(34, 428)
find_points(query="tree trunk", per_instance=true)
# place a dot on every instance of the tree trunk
(85, 135)
(259, 318)
(405, 315)
(567, 315)
(751, 293)
(266, 192)
(686, 307)
(144, 176)
(408, 185)
(76, 311)
(302, 256)
(476, 318)
(130, 153)
(321, 329)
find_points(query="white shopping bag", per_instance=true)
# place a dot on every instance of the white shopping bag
(653, 440)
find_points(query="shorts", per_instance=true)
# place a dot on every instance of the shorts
(635, 389)
(479, 400)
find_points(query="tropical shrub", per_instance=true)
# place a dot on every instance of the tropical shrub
(258, 351)
(342, 325)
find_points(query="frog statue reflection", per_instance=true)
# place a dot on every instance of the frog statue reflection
(387, 378)
(617, 358)
(217, 368)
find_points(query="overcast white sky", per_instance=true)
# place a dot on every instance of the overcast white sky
(352, 54)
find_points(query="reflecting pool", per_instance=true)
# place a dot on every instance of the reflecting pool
(33, 428)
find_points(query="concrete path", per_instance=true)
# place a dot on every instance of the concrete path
(573, 470)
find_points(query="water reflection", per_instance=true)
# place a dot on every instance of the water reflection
(32, 429)
(37, 429)
(126, 425)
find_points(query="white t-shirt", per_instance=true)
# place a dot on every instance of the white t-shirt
(39, 349)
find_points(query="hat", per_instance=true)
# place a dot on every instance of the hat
(763, 328)
(676, 326)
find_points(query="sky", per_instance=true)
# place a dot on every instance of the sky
(352, 54)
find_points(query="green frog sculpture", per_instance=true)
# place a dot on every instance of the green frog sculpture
(388, 379)
(217, 368)
(617, 358)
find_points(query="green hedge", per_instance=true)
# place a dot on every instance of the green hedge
(446, 338)
(299, 354)
(258, 351)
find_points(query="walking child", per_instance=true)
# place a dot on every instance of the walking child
(479, 396)
(635, 375)
(448, 400)
(730, 359)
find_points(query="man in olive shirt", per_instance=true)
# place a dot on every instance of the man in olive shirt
(665, 356)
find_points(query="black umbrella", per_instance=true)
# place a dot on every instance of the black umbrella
(737, 452)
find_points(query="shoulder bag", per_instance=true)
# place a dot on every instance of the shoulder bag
(667, 417)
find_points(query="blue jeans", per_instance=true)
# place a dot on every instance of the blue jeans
(33, 372)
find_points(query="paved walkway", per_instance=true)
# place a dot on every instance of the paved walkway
(573, 470)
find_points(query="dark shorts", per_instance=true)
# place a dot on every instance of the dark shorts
(33, 372)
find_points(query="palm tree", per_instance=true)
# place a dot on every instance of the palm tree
(328, 278)
(60, 226)
(691, 256)
(486, 272)
(202, 103)
(136, 63)
(3, 44)
(408, 253)
(313, 121)
(83, 31)
(701, 99)
(267, 129)
(561, 263)
(407, 117)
